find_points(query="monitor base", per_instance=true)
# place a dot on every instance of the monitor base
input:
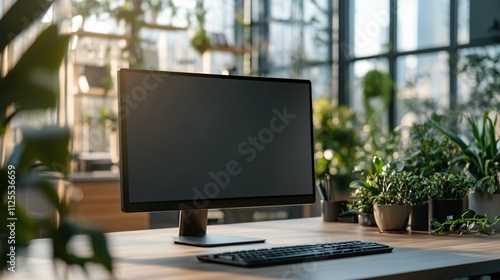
(213, 240)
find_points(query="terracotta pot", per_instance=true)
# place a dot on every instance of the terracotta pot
(392, 218)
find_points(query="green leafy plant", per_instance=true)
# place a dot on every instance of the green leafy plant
(448, 185)
(385, 184)
(200, 40)
(377, 91)
(364, 191)
(396, 187)
(32, 84)
(482, 155)
(469, 222)
(429, 151)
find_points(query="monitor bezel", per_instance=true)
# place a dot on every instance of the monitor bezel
(128, 206)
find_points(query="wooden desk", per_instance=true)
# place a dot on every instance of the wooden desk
(150, 254)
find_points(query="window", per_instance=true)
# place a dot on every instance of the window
(421, 43)
(293, 39)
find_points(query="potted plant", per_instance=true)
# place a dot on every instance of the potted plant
(365, 194)
(200, 40)
(391, 206)
(377, 87)
(435, 158)
(483, 163)
(447, 192)
(418, 189)
(387, 192)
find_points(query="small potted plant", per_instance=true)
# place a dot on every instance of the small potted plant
(432, 156)
(392, 206)
(386, 192)
(365, 193)
(447, 191)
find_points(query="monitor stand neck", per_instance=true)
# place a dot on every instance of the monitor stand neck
(193, 223)
(193, 231)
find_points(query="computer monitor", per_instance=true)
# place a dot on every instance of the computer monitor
(193, 142)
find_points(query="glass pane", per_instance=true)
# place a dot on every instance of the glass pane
(463, 21)
(479, 78)
(281, 9)
(371, 28)
(423, 24)
(282, 43)
(421, 78)
(358, 71)
(484, 20)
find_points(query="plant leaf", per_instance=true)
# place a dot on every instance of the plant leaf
(20, 15)
(68, 230)
(48, 145)
(32, 83)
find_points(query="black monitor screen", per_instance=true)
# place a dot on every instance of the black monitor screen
(210, 141)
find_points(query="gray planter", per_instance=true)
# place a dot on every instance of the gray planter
(486, 205)
(392, 218)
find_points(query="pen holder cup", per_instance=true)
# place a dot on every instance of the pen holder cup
(330, 210)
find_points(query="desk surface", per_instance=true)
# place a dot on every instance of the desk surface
(150, 254)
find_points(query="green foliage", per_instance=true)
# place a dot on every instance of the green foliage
(32, 83)
(429, 151)
(444, 185)
(364, 192)
(469, 222)
(377, 83)
(397, 187)
(384, 184)
(378, 185)
(336, 135)
(482, 155)
(200, 41)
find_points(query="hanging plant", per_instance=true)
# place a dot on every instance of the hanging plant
(200, 41)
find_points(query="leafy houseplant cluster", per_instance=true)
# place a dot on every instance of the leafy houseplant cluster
(31, 84)
(483, 162)
(482, 154)
(451, 185)
(427, 170)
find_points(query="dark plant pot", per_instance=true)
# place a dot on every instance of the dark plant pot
(392, 218)
(420, 217)
(367, 220)
(444, 209)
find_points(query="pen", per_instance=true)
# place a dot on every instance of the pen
(319, 190)
(330, 194)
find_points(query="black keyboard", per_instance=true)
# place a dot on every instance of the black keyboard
(297, 253)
